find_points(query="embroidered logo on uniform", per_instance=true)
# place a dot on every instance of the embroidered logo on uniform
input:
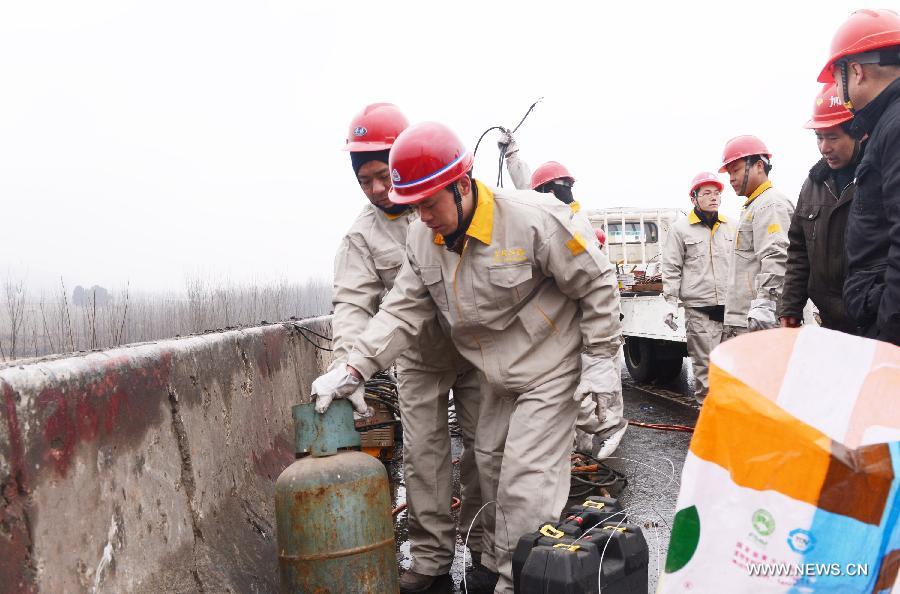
(510, 255)
(359, 131)
(395, 175)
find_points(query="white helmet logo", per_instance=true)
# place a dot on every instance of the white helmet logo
(395, 175)
(359, 131)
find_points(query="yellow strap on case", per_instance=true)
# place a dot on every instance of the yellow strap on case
(548, 530)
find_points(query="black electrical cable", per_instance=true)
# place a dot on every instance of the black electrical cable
(483, 134)
(527, 113)
(605, 483)
(313, 332)
(310, 341)
(606, 477)
(503, 150)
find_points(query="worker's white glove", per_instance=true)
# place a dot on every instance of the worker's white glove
(671, 300)
(507, 141)
(599, 380)
(338, 383)
(761, 315)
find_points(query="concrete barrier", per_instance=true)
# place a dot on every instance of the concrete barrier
(151, 468)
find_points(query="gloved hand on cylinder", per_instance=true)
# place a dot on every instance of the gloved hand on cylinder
(599, 380)
(340, 383)
(761, 315)
(508, 142)
(671, 300)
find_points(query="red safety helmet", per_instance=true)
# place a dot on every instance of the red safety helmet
(548, 172)
(426, 158)
(743, 146)
(865, 31)
(601, 236)
(829, 110)
(703, 178)
(375, 128)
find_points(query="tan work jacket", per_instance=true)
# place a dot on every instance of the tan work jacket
(528, 294)
(365, 267)
(696, 261)
(760, 252)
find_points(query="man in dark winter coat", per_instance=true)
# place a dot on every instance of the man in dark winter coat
(816, 264)
(865, 62)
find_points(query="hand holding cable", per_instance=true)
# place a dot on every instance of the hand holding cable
(507, 143)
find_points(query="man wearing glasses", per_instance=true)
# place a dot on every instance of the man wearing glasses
(695, 266)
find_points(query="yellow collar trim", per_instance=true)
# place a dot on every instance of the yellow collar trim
(482, 225)
(762, 188)
(574, 206)
(693, 219)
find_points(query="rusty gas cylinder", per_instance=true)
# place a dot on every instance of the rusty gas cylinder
(333, 510)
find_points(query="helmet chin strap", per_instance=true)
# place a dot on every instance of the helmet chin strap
(457, 199)
(746, 177)
(844, 88)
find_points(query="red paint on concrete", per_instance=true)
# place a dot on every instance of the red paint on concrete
(111, 400)
(16, 564)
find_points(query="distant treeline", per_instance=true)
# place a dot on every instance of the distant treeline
(34, 323)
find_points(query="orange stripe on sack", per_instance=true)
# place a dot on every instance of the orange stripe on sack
(760, 445)
(759, 359)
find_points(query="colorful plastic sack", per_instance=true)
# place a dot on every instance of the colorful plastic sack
(790, 484)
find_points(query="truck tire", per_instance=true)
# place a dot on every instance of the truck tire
(640, 359)
(668, 370)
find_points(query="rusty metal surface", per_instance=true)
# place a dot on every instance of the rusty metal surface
(335, 531)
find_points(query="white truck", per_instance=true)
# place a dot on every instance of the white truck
(655, 344)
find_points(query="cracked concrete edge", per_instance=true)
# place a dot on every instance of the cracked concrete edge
(152, 467)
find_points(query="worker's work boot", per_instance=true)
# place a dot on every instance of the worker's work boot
(480, 580)
(413, 583)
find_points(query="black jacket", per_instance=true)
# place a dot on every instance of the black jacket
(816, 264)
(872, 288)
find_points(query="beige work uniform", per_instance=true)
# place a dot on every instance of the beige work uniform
(591, 420)
(365, 268)
(759, 255)
(518, 171)
(528, 294)
(695, 265)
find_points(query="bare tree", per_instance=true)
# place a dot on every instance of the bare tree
(14, 290)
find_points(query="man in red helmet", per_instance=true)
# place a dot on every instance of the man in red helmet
(526, 297)
(865, 63)
(760, 244)
(695, 265)
(551, 177)
(816, 265)
(366, 265)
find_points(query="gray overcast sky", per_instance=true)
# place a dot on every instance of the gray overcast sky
(149, 141)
